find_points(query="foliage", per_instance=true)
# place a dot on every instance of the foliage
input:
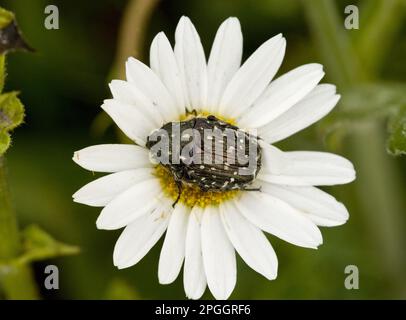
(64, 84)
(11, 108)
(397, 127)
(15, 256)
(11, 116)
(6, 17)
(39, 245)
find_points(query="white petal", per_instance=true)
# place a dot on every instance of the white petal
(218, 255)
(128, 93)
(173, 249)
(282, 94)
(194, 278)
(112, 157)
(153, 88)
(273, 161)
(191, 60)
(224, 61)
(320, 207)
(163, 62)
(305, 168)
(140, 199)
(136, 124)
(100, 192)
(253, 77)
(139, 237)
(249, 241)
(280, 219)
(311, 109)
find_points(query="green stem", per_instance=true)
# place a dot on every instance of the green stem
(380, 22)
(16, 280)
(378, 184)
(337, 52)
(130, 43)
(132, 33)
(378, 188)
(10, 241)
(2, 71)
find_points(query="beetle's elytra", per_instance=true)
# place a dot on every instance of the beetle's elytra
(226, 159)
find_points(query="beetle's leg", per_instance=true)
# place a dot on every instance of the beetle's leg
(178, 181)
(179, 185)
(204, 189)
(194, 123)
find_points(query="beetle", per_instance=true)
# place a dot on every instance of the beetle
(238, 165)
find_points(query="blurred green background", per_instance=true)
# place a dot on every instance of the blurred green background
(64, 83)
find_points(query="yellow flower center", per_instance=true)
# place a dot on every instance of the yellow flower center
(191, 195)
(189, 115)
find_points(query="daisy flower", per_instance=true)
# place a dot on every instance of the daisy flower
(205, 228)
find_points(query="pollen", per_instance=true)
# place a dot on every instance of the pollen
(190, 115)
(191, 195)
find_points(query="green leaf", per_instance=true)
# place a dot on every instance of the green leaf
(11, 116)
(11, 111)
(396, 144)
(5, 141)
(366, 101)
(2, 71)
(39, 245)
(359, 106)
(6, 17)
(118, 289)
